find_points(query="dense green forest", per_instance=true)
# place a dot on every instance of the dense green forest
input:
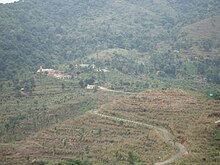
(139, 61)
(52, 32)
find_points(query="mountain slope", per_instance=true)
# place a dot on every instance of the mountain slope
(208, 30)
(49, 32)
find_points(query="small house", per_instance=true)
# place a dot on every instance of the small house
(90, 87)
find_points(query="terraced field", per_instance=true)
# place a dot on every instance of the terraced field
(120, 133)
(99, 140)
(183, 113)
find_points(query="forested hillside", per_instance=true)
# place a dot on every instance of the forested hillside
(110, 82)
(39, 32)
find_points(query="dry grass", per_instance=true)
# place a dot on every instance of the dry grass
(102, 141)
(208, 28)
(97, 139)
(183, 113)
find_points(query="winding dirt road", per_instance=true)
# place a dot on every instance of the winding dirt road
(168, 137)
(111, 90)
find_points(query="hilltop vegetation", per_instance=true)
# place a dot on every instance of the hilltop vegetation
(35, 33)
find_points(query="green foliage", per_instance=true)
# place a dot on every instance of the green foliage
(165, 62)
(34, 33)
(63, 86)
(47, 105)
(131, 158)
(182, 163)
(66, 162)
(207, 45)
(216, 95)
(85, 82)
(216, 135)
(74, 162)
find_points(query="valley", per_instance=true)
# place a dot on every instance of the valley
(121, 82)
(111, 127)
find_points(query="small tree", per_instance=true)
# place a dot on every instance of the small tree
(207, 45)
(99, 131)
(1, 86)
(54, 149)
(7, 127)
(63, 86)
(28, 159)
(216, 95)
(131, 158)
(81, 83)
(64, 142)
(95, 89)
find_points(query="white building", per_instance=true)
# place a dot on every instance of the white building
(90, 87)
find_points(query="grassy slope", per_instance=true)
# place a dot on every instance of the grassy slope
(207, 28)
(184, 113)
(99, 140)
(204, 30)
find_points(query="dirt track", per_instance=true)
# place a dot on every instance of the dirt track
(166, 134)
